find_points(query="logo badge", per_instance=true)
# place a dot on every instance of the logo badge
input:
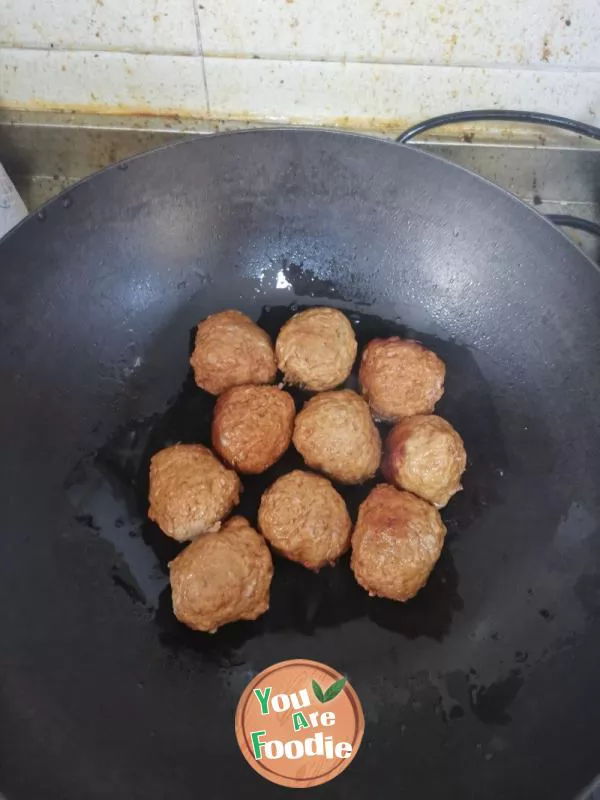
(299, 723)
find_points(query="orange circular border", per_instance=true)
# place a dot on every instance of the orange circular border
(272, 775)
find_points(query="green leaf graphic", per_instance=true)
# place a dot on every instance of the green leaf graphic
(318, 692)
(334, 690)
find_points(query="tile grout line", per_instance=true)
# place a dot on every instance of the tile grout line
(371, 62)
(200, 53)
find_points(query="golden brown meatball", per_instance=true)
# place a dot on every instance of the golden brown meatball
(400, 378)
(252, 426)
(397, 540)
(425, 456)
(190, 491)
(303, 517)
(334, 433)
(222, 577)
(231, 350)
(316, 349)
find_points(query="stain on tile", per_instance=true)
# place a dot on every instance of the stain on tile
(546, 52)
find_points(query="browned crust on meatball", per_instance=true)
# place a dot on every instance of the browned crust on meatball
(400, 378)
(335, 434)
(425, 456)
(316, 349)
(303, 517)
(252, 426)
(396, 542)
(190, 491)
(222, 577)
(231, 350)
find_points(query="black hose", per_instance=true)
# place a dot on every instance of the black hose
(482, 115)
(566, 221)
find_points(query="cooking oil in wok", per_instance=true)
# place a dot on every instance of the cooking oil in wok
(109, 491)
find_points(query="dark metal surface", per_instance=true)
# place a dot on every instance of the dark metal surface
(486, 685)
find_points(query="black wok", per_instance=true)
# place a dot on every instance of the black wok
(487, 684)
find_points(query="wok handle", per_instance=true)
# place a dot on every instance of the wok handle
(483, 115)
(567, 221)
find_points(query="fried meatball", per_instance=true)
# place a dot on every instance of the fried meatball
(396, 542)
(190, 491)
(425, 456)
(231, 350)
(316, 349)
(334, 433)
(252, 426)
(400, 378)
(222, 577)
(303, 517)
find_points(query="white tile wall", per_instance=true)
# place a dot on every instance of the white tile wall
(359, 63)
(105, 82)
(146, 26)
(463, 32)
(370, 95)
